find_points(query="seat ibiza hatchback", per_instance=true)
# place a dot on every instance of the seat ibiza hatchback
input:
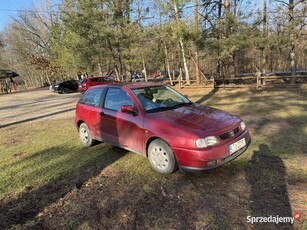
(161, 124)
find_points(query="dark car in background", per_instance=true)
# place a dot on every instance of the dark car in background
(92, 81)
(65, 86)
(161, 124)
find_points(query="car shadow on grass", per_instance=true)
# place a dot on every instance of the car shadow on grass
(32, 201)
(269, 195)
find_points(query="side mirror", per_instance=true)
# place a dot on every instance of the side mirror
(128, 109)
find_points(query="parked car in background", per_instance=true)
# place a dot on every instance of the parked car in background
(137, 77)
(92, 81)
(65, 86)
(161, 124)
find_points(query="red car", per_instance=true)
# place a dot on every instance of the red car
(161, 124)
(92, 81)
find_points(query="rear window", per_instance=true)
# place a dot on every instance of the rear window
(92, 97)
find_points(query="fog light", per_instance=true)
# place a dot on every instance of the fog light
(211, 163)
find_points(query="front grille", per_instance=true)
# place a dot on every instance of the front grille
(229, 134)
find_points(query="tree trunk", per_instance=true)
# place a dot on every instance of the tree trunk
(227, 13)
(198, 80)
(47, 77)
(100, 69)
(230, 59)
(144, 70)
(264, 34)
(219, 63)
(292, 49)
(182, 49)
(168, 65)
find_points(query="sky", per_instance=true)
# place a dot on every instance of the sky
(9, 8)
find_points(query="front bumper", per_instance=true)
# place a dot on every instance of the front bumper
(58, 90)
(205, 159)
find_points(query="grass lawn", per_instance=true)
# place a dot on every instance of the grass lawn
(49, 180)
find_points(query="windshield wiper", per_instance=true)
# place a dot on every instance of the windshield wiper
(169, 107)
(159, 109)
(183, 104)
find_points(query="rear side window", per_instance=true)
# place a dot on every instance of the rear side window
(94, 80)
(105, 79)
(116, 98)
(92, 97)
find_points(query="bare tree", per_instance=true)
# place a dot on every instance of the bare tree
(198, 80)
(181, 44)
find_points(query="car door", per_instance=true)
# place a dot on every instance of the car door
(68, 85)
(89, 108)
(119, 128)
(75, 85)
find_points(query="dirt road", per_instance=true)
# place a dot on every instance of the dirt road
(35, 104)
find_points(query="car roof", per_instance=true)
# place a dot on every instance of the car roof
(59, 82)
(96, 77)
(134, 85)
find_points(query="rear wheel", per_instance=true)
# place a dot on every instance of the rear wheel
(85, 136)
(161, 157)
(65, 90)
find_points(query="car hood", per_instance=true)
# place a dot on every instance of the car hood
(199, 119)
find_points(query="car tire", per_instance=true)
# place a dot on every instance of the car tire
(65, 90)
(85, 136)
(161, 157)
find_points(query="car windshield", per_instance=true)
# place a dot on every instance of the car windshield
(160, 98)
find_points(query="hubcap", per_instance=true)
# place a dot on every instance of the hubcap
(84, 135)
(159, 157)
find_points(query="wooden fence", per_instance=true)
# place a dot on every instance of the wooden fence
(240, 82)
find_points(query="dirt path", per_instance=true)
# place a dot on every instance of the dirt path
(35, 104)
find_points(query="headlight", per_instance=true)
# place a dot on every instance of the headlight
(243, 126)
(206, 142)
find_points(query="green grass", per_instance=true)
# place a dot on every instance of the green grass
(35, 154)
(46, 160)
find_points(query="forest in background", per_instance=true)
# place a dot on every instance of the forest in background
(199, 38)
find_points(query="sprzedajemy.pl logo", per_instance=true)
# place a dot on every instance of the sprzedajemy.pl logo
(273, 219)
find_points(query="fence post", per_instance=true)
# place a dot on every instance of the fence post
(258, 74)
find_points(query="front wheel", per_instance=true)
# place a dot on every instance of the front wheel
(65, 90)
(85, 136)
(161, 157)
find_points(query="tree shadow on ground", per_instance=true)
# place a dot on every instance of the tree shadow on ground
(37, 117)
(33, 201)
(178, 201)
(207, 96)
(269, 195)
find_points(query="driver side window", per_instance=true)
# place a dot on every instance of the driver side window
(116, 98)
